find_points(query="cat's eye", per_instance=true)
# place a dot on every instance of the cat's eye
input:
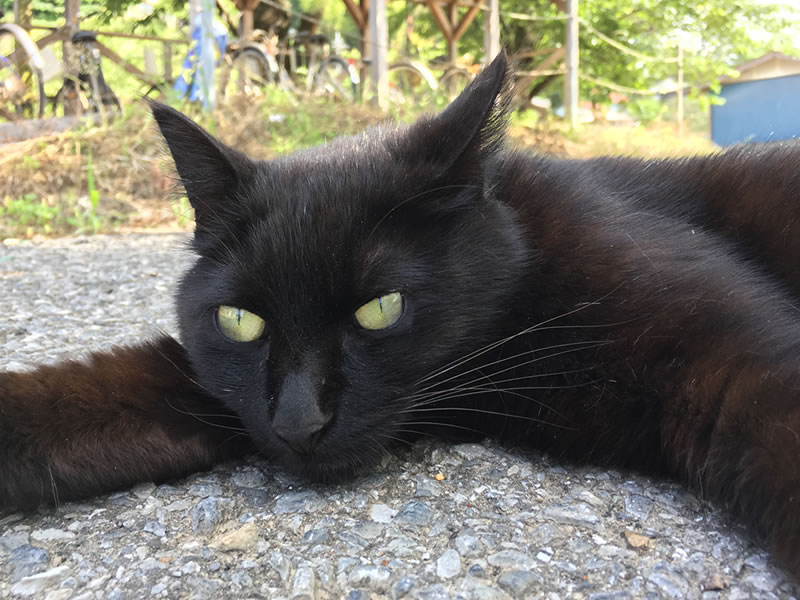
(382, 312)
(238, 324)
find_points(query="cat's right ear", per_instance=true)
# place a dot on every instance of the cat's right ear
(210, 171)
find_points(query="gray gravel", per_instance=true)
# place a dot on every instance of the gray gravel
(500, 524)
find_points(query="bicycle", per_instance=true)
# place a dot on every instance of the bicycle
(21, 90)
(85, 89)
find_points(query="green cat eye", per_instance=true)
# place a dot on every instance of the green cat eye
(380, 313)
(238, 324)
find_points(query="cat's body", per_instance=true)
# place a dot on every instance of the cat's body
(636, 313)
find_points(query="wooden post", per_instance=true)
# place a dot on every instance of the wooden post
(679, 91)
(71, 15)
(571, 79)
(23, 13)
(246, 7)
(247, 24)
(491, 30)
(379, 37)
(168, 63)
(452, 46)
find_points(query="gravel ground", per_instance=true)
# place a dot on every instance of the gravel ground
(437, 522)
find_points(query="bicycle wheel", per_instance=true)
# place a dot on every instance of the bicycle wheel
(21, 88)
(334, 78)
(454, 80)
(247, 73)
(411, 85)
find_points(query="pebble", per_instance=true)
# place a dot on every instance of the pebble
(205, 516)
(519, 582)
(572, 514)
(242, 539)
(448, 564)
(304, 585)
(156, 528)
(415, 513)
(381, 513)
(512, 559)
(51, 535)
(36, 584)
(298, 502)
(26, 560)
(638, 507)
(371, 577)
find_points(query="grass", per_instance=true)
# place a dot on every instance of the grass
(118, 177)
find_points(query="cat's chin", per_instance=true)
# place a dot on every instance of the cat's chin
(321, 467)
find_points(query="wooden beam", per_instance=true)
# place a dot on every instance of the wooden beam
(117, 59)
(440, 18)
(358, 16)
(467, 20)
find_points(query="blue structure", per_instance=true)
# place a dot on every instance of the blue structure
(762, 108)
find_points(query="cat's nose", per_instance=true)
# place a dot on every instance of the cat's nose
(301, 437)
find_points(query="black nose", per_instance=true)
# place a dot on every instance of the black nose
(302, 437)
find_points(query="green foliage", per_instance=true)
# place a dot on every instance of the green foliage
(646, 110)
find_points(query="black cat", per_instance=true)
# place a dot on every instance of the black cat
(427, 279)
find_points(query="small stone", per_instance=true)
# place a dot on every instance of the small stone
(205, 515)
(511, 559)
(368, 530)
(375, 578)
(280, 564)
(248, 477)
(13, 540)
(36, 584)
(637, 540)
(241, 579)
(205, 490)
(27, 560)
(449, 564)
(59, 594)
(316, 536)
(298, 502)
(415, 513)
(242, 539)
(304, 585)
(670, 582)
(517, 583)
(156, 528)
(477, 571)
(51, 535)
(402, 587)
(638, 506)
(381, 513)
(579, 514)
(468, 545)
(469, 451)
(715, 582)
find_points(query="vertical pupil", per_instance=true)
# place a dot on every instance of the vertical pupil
(238, 316)
(380, 304)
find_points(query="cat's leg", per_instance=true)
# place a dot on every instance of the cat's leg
(128, 415)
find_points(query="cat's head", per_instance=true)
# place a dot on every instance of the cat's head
(331, 282)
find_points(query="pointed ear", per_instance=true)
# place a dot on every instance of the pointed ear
(210, 171)
(470, 129)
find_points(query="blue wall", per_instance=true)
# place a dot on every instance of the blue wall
(757, 111)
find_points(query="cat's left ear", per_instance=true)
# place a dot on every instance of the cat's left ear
(210, 171)
(460, 138)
